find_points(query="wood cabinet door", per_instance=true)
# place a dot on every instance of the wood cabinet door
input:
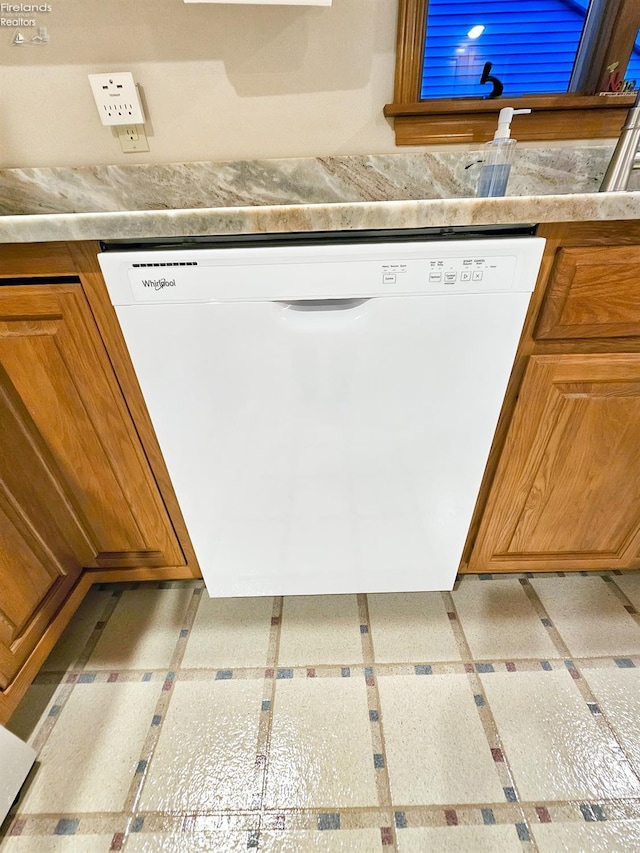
(76, 490)
(567, 490)
(57, 373)
(35, 577)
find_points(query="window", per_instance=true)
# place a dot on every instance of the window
(531, 45)
(633, 68)
(554, 56)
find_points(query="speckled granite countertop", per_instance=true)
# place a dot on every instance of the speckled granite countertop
(311, 194)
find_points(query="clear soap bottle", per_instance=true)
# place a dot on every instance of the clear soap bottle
(498, 156)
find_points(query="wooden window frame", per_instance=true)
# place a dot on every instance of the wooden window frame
(471, 120)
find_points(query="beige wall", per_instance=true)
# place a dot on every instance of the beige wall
(219, 81)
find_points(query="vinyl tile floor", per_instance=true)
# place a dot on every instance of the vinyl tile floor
(503, 716)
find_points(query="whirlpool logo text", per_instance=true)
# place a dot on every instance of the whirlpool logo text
(158, 283)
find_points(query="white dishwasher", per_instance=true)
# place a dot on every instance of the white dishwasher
(325, 410)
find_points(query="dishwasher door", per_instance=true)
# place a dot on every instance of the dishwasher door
(320, 443)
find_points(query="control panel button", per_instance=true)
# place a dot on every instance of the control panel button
(435, 277)
(477, 275)
(389, 278)
(465, 275)
(450, 277)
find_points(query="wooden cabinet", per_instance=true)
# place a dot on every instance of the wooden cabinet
(54, 368)
(594, 292)
(79, 496)
(566, 490)
(34, 579)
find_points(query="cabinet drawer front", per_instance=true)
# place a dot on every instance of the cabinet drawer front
(594, 292)
(36, 259)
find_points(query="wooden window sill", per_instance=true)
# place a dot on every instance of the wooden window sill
(475, 120)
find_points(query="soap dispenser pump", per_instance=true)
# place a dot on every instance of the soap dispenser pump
(498, 156)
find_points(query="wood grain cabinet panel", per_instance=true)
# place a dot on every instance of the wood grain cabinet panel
(567, 488)
(593, 292)
(35, 578)
(55, 365)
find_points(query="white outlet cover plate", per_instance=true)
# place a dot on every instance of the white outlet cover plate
(117, 99)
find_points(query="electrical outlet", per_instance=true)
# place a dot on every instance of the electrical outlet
(132, 138)
(117, 98)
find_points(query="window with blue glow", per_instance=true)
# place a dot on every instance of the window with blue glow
(531, 44)
(633, 68)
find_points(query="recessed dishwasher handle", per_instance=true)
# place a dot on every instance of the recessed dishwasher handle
(322, 304)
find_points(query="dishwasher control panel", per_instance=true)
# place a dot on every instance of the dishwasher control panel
(468, 274)
(277, 273)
